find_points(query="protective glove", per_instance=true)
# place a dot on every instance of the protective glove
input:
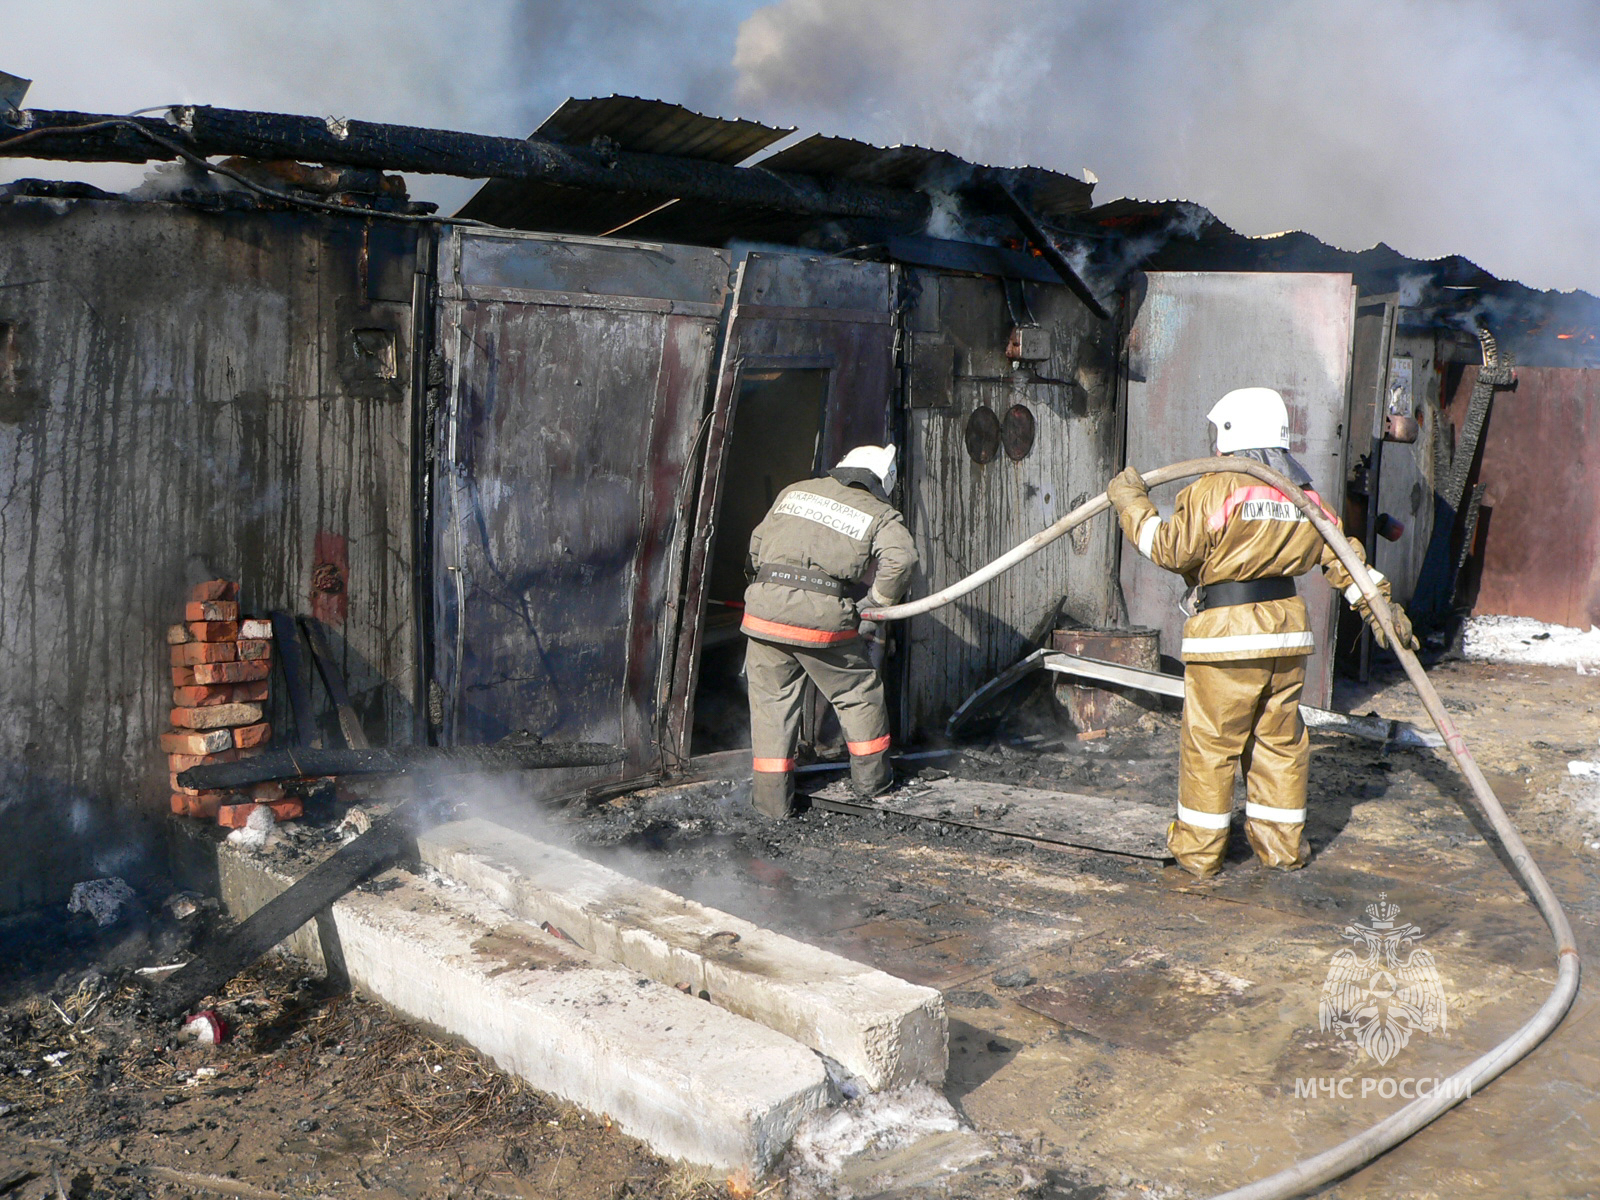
(1402, 625)
(872, 638)
(1127, 488)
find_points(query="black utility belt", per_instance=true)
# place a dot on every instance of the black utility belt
(806, 581)
(1243, 591)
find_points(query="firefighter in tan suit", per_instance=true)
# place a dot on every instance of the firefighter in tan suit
(1239, 544)
(817, 542)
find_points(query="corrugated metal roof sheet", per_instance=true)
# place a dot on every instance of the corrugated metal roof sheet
(656, 127)
(1048, 193)
(889, 166)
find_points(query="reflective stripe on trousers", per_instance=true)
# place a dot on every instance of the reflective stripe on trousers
(1242, 716)
(776, 676)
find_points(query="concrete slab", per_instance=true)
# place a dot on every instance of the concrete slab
(884, 1030)
(692, 1080)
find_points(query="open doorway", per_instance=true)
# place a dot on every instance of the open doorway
(776, 439)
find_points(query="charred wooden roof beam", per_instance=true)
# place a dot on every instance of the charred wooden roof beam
(212, 132)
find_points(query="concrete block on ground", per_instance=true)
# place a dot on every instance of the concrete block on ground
(691, 1080)
(884, 1030)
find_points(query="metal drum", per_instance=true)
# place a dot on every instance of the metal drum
(1096, 706)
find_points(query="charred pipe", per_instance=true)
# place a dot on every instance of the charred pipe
(209, 132)
(305, 762)
(1347, 1156)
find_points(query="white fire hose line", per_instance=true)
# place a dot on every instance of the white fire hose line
(1355, 1152)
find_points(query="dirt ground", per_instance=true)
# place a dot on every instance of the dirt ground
(1117, 1029)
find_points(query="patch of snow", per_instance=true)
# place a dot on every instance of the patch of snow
(1524, 641)
(259, 829)
(876, 1123)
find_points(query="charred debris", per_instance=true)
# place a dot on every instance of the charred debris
(267, 363)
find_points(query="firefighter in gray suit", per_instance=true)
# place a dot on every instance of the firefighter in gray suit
(819, 539)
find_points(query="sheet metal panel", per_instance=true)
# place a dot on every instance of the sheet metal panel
(658, 127)
(964, 514)
(1539, 531)
(1197, 335)
(561, 458)
(185, 402)
(1405, 484)
(789, 310)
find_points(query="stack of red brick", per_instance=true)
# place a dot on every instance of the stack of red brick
(220, 665)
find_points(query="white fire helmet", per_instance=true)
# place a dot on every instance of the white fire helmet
(1251, 418)
(877, 459)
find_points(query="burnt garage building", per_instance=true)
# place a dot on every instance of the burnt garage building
(512, 458)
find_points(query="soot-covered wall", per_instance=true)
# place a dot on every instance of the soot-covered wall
(184, 395)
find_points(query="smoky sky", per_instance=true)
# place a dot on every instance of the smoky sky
(1437, 126)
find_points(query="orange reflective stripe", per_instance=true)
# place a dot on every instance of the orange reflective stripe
(1260, 492)
(875, 746)
(774, 766)
(799, 633)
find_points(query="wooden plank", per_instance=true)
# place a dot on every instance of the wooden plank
(349, 724)
(1059, 818)
(283, 914)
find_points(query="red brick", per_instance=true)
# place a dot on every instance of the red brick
(250, 693)
(230, 672)
(180, 804)
(211, 610)
(287, 810)
(267, 792)
(214, 631)
(255, 629)
(253, 648)
(190, 742)
(177, 635)
(206, 807)
(216, 589)
(195, 653)
(194, 793)
(216, 716)
(249, 736)
(182, 677)
(244, 752)
(200, 697)
(182, 762)
(234, 816)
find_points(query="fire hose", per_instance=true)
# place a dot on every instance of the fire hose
(1357, 1151)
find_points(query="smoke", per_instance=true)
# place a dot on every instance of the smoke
(488, 66)
(1438, 126)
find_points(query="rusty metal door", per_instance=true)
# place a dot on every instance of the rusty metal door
(799, 313)
(576, 373)
(1197, 335)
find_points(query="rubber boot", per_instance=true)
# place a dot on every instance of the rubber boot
(772, 794)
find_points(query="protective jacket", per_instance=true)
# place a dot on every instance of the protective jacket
(1232, 527)
(814, 544)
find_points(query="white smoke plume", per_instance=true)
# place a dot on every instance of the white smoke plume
(1438, 126)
